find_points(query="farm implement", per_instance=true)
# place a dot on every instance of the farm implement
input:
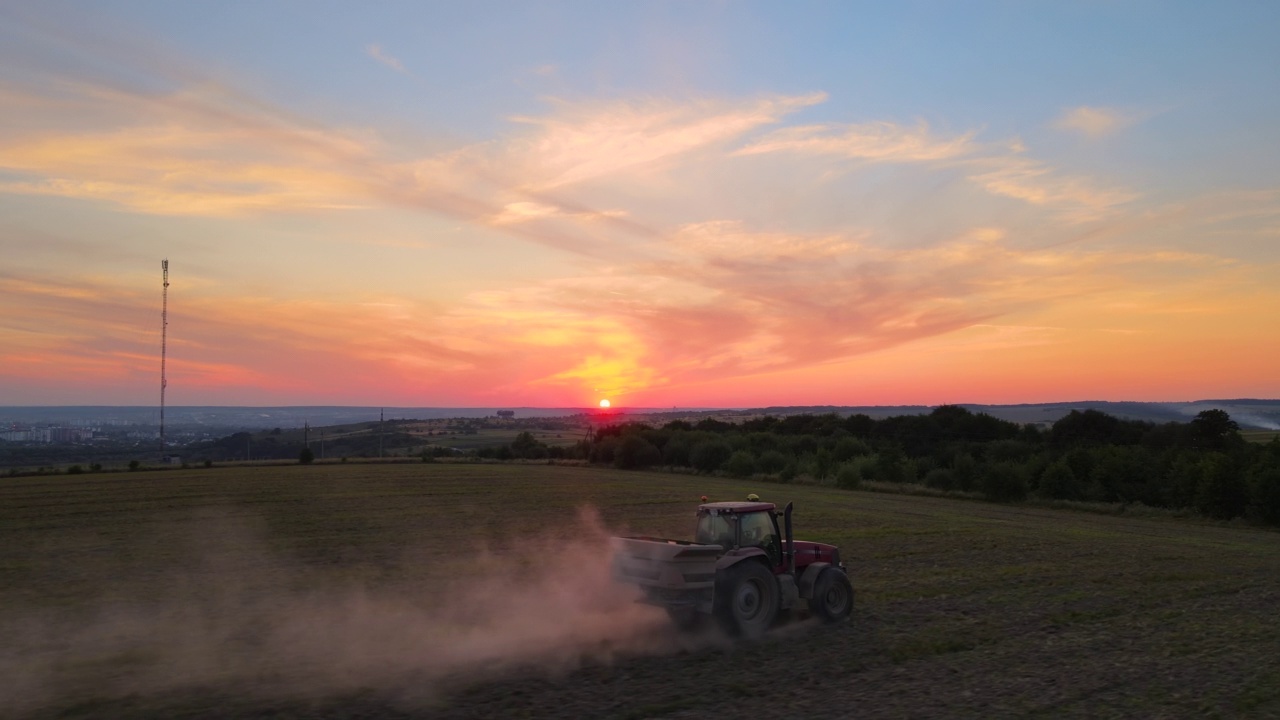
(742, 568)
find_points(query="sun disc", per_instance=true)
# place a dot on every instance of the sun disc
(604, 403)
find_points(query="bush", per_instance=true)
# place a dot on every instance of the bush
(134, 464)
(75, 470)
(771, 462)
(848, 449)
(1004, 482)
(1222, 493)
(891, 466)
(941, 479)
(965, 469)
(306, 456)
(1264, 495)
(1059, 482)
(740, 464)
(708, 455)
(95, 467)
(527, 446)
(603, 451)
(849, 476)
(635, 452)
(208, 463)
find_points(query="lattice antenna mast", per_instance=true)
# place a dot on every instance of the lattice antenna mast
(164, 342)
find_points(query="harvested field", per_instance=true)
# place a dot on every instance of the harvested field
(479, 591)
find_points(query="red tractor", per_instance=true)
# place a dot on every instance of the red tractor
(741, 568)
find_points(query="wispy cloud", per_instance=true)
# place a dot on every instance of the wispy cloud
(376, 52)
(1075, 199)
(875, 141)
(583, 141)
(1093, 122)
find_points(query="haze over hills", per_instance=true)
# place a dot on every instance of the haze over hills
(1249, 413)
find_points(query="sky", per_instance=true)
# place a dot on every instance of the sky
(665, 204)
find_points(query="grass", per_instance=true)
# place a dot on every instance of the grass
(995, 601)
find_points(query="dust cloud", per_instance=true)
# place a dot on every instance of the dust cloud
(213, 610)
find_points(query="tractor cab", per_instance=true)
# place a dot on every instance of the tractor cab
(739, 525)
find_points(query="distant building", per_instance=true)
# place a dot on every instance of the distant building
(507, 414)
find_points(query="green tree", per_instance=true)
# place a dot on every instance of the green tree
(635, 452)
(708, 455)
(1264, 494)
(527, 446)
(306, 457)
(1059, 482)
(849, 476)
(1215, 430)
(1004, 482)
(741, 464)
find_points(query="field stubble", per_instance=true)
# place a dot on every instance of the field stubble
(475, 591)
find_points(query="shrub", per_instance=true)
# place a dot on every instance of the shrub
(740, 464)
(941, 479)
(95, 467)
(965, 469)
(1004, 482)
(891, 466)
(306, 457)
(1222, 493)
(1264, 495)
(75, 470)
(134, 464)
(1059, 482)
(848, 449)
(708, 455)
(849, 476)
(208, 463)
(771, 462)
(603, 451)
(633, 452)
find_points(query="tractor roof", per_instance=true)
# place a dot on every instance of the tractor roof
(736, 507)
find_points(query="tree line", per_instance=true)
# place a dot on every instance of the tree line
(1203, 466)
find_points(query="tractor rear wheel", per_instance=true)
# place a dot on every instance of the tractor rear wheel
(746, 601)
(832, 595)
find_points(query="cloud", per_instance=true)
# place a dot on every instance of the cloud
(1075, 199)
(1093, 122)
(874, 141)
(584, 141)
(376, 52)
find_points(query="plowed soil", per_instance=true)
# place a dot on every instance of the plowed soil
(468, 591)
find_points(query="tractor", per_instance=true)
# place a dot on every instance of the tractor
(742, 568)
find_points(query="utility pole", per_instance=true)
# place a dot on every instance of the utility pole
(382, 415)
(164, 341)
(306, 433)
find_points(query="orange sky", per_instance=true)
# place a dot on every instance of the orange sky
(371, 233)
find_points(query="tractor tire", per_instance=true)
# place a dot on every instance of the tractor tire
(746, 600)
(832, 596)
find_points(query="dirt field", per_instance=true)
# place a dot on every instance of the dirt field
(468, 591)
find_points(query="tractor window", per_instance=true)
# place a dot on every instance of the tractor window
(716, 530)
(758, 531)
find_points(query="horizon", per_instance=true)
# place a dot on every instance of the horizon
(666, 204)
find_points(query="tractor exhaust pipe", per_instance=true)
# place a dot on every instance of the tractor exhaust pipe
(791, 541)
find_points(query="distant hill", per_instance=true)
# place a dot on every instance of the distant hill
(1249, 413)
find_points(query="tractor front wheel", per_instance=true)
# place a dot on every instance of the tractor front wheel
(832, 595)
(746, 600)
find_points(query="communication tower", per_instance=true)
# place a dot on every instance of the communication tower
(164, 339)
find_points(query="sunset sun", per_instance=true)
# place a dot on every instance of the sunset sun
(604, 403)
